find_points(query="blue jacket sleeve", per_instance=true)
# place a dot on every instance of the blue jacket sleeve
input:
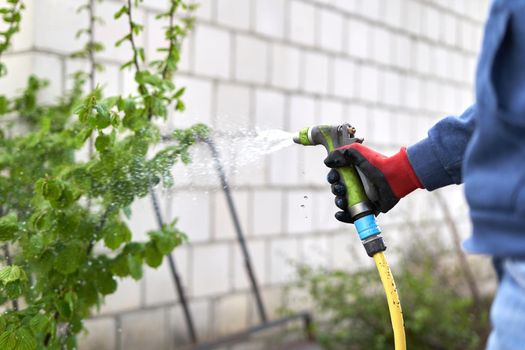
(437, 160)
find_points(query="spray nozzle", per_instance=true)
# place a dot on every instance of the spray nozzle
(359, 191)
(330, 136)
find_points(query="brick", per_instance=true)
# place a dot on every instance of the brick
(331, 112)
(425, 57)
(349, 6)
(325, 210)
(50, 68)
(348, 253)
(331, 30)
(357, 115)
(212, 51)
(49, 30)
(284, 166)
(441, 63)
(371, 9)
(382, 131)
(177, 328)
(285, 66)
(25, 38)
(192, 209)
(402, 51)
(391, 91)
(159, 285)
(197, 99)
(230, 314)
(314, 251)
(18, 71)
(269, 109)
(273, 300)
(381, 46)
(313, 170)
(299, 211)
(223, 224)
(251, 59)
(412, 92)
(368, 83)
(234, 13)
(248, 169)
(233, 106)
(127, 297)
(468, 38)
(142, 218)
(393, 10)
(100, 335)
(144, 330)
(358, 37)
(316, 73)
(431, 23)
(302, 112)
(413, 12)
(403, 133)
(211, 269)
(267, 212)
(449, 29)
(270, 17)
(302, 23)
(344, 78)
(205, 9)
(431, 95)
(156, 5)
(257, 251)
(283, 252)
(113, 30)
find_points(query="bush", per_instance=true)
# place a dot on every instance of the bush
(352, 313)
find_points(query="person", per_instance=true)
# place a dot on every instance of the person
(484, 148)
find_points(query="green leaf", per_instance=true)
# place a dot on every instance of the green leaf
(102, 142)
(39, 323)
(26, 340)
(8, 340)
(103, 118)
(106, 284)
(116, 234)
(69, 257)
(8, 227)
(12, 273)
(135, 266)
(152, 255)
(120, 12)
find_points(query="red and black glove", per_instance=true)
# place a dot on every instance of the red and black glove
(391, 177)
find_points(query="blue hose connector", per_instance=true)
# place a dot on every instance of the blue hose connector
(367, 226)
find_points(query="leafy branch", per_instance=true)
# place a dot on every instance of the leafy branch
(11, 15)
(47, 189)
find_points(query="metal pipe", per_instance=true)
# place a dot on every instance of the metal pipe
(238, 229)
(176, 278)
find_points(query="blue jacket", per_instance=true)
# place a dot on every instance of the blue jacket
(485, 147)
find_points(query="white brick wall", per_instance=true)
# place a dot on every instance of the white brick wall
(390, 67)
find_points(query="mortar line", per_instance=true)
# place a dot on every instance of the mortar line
(460, 83)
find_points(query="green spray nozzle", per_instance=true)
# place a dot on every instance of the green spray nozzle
(332, 137)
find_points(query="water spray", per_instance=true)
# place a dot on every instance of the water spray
(359, 196)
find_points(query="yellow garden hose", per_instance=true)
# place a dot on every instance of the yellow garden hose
(394, 305)
(362, 213)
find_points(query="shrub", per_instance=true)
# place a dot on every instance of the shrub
(352, 313)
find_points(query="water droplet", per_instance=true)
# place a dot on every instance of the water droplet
(302, 205)
(305, 197)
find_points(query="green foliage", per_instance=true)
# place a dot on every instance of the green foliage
(58, 204)
(352, 312)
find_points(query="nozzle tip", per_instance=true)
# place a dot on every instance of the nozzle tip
(297, 139)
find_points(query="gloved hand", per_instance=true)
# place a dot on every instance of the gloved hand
(392, 177)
